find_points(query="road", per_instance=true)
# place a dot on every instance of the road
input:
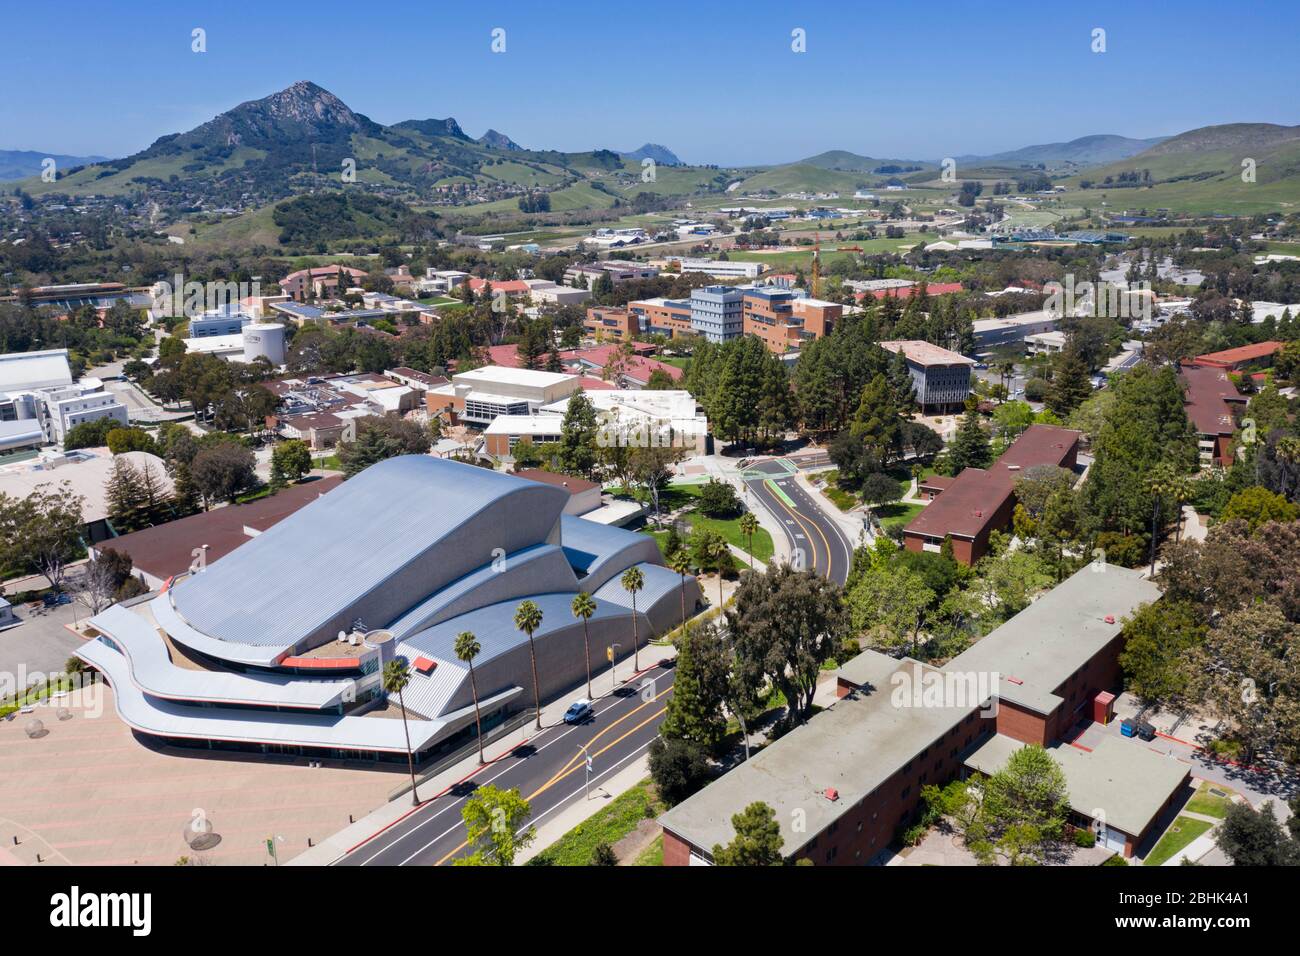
(548, 769)
(810, 530)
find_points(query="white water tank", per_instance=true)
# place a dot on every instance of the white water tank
(266, 340)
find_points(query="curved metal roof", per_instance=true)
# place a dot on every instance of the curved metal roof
(358, 551)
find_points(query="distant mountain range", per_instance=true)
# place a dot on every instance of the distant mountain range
(21, 163)
(301, 140)
(1084, 151)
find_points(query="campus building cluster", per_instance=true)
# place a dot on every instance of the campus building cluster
(40, 403)
(278, 646)
(846, 782)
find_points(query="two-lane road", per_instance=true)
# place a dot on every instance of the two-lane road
(811, 532)
(549, 769)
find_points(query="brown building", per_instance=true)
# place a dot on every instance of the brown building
(844, 784)
(605, 324)
(663, 316)
(965, 510)
(785, 322)
(322, 282)
(1211, 401)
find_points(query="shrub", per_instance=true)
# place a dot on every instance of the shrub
(1085, 838)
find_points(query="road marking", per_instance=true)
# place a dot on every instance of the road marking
(550, 783)
(614, 702)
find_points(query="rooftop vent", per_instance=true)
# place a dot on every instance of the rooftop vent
(1110, 619)
(832, 794)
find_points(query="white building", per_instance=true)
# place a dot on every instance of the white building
(1045, 343)
(721, 269)
(482, 394)
(36, 388)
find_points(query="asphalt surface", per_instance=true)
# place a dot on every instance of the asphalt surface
(824, 546)
(548, 768)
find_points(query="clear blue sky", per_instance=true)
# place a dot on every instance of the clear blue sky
(715, 82)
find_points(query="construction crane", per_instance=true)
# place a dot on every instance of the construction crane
(817, 266)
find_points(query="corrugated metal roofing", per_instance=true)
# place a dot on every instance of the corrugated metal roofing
(297, 577)
(153, 672)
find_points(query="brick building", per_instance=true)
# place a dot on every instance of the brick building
(966, 509)
(845, 783)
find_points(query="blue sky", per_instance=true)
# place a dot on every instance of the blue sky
(715, 82)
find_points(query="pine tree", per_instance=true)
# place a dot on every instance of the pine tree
(124, 493)
(1070, 384)
(970, 448)
(694, 712)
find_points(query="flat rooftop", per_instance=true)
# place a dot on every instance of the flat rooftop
(1036, 651)
(926, 353)
(502, 374)
(851, 748)
(1124, 781)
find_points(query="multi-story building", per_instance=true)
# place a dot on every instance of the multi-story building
(717, 312)
(993, 334)
(322, 282)
(478, 396)
(670, 317)
(1212, 402)
(941, 377)
(605, 324)
(784, 320)
(37, 388)
(226, 320)
(844, 784)
(583, 274)
(720, 268)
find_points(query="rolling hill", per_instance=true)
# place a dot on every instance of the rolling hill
(21, 163)
(1084, 151)
(1201, 171)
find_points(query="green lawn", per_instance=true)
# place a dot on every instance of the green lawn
(608, 825)
(1180, 833)
(1210, 804)
(729, 528)
(653, 855)
(897, 514)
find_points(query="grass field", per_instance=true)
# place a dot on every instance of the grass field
(1176, 839)
(608, 825)
(897, 514)
(1208, 803)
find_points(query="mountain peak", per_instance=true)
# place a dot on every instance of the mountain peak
(660, 154)
(495, 140)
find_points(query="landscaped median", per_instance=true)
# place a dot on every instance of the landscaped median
(606, 827)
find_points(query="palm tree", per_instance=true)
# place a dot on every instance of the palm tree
(633, 580)
(749, 528)
(680, 562)
(1180, 490)
(584, 607)
(467, 648)
(528, 618)
(395, 678)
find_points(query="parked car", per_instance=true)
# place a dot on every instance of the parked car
(578, 711)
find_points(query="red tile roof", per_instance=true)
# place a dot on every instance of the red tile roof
(508, 286)
(1230, 358)
(905, 292)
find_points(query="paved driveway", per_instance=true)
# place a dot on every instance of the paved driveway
(41, 642)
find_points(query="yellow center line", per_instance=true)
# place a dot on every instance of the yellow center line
(811, 545)
(570, 768)
(606, 730)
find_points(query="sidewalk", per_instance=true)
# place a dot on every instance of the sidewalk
(338, 845)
